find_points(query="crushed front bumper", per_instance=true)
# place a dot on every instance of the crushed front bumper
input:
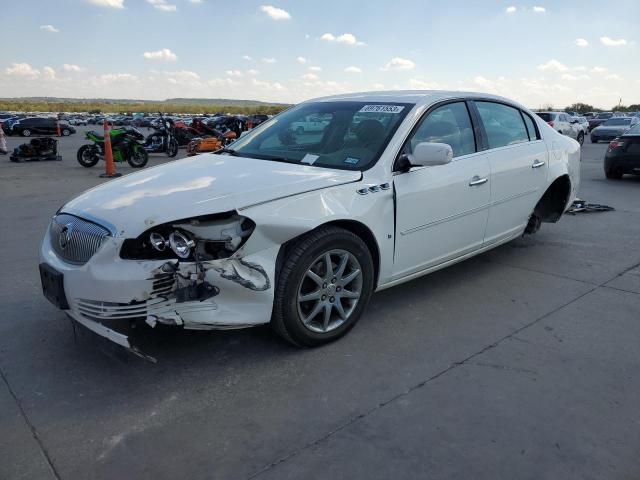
(108, 291)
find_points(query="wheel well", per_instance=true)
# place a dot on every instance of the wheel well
(354, 227)
(552, 204)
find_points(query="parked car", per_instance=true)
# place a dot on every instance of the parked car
(257, 118)
(572, 114)
(41, 126)
(623, 154)
(76, 121)
(599, 119)
(311, 124)
(300, 231)
(584, 124)
(564, 124)
(613, 128)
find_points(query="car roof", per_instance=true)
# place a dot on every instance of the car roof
(419, 97)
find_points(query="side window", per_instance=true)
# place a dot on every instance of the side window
(503, 124)
(448, 124)
(531, 128)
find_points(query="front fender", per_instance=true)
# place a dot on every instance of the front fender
(285, 219)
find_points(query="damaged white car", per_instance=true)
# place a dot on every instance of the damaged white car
(298, 229)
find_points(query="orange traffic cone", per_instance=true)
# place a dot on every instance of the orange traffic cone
(110, 171)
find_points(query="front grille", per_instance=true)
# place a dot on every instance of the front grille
(74, 239)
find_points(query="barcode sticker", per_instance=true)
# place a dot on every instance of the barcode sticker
(381, 109)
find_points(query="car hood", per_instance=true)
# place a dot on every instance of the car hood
(199, 185)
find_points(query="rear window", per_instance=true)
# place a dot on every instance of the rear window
(605, 115)
(616, 122)
(547, 117)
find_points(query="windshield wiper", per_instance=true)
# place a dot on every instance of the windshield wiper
(230, 151)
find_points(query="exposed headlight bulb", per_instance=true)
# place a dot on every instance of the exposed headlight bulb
(180, 244)
(157, 241)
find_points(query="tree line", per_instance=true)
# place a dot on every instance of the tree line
(142, 107)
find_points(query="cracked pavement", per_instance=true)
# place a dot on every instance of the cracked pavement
(519, 363)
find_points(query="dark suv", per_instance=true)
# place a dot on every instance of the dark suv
(40, 126)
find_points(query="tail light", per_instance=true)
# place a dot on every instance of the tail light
(550, 124)
(615, 144)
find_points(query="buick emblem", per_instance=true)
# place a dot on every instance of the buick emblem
(65, 236)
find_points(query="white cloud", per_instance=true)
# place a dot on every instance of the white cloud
(418, 84)
(539, 9)
(301, 60)
(69, 67)
(163, 54)
(269, 60)
(49, 73)
(378, 86)
(553, 65)
(275, 13)
(610, 42)
(108, 3)
(220, 82)
(581, 42)
(163, 5)
(197, 2)
(612, 76)
(246, 57)
(598, 70)
(22, 70)
(398, 63)
(570, 78)
(352, 69)
(186, 75)
(315, 68)
(252, 72)
(234, 73)
(511, 9)
(309, 76)
(49, 28)
(111, 78)
(345, 38)
(277, 86)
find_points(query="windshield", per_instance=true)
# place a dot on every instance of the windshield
(616, 122)
(604, 115)
(634, 130)
(344, 135)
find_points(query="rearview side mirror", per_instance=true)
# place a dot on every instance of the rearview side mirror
(425, 154)
(429, 154)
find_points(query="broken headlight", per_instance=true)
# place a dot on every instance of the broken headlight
(200, 238)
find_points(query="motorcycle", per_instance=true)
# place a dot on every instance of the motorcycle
(163, 139)
(125, 147)
(211, 143)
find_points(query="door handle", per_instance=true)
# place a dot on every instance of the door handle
(537, 164)
(475, 181)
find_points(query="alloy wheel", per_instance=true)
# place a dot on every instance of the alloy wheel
(329, 291)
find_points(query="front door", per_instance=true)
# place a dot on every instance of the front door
(441, 211)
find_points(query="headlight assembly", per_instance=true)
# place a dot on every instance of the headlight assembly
(203, 238)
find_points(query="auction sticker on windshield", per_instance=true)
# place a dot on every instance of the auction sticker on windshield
(381, 109)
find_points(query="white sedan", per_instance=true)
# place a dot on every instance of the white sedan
(299, 231)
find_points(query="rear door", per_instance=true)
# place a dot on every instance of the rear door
(519, 165)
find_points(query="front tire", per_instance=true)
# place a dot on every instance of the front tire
(138, 157)
(66, 133)
(594, 140)
(26, 132)
(87, 156)
(580, 138)
(324, 286)
(172, 148)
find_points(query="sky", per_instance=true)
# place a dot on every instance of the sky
(537, 52)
